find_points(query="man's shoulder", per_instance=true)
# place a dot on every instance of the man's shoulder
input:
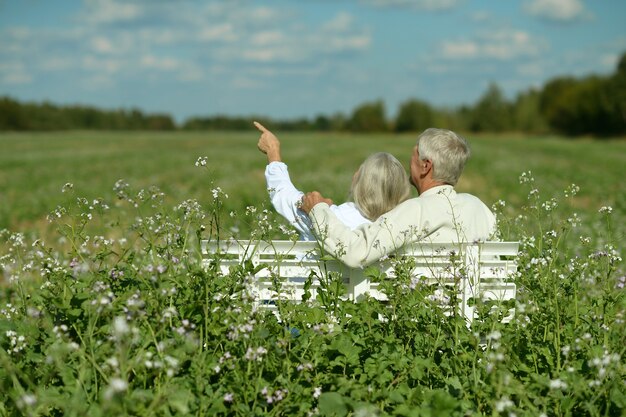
(470, 198)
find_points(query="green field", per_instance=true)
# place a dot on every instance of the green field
(106, 310)
(35, 166)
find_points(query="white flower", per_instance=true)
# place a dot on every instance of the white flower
(116, 385)
(503, 403)
(120, 327)
(201, 162)
(557, 384)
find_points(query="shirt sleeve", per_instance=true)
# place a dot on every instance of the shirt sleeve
(369, 242)
(285, 198)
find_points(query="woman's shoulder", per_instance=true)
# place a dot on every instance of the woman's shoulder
(349, 215)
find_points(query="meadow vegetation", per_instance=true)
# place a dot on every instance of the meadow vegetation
(105, 308)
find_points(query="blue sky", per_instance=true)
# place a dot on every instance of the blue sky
(295, 58)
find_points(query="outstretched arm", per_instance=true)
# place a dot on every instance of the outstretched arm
(268, 144)
(285, 197)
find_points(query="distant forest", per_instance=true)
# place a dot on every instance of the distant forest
(592, 105)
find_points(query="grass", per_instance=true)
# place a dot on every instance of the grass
(105, 310)
(34, 167)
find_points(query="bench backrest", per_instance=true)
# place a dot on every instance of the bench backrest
(473, 270)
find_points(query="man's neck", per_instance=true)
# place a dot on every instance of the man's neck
(430, 184)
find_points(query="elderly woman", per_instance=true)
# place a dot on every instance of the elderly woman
(380, 184)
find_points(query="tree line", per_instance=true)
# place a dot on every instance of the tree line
(591, 105)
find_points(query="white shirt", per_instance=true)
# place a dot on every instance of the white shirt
(437, 215)
(285, 197)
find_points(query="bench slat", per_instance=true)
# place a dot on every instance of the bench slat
(486, 269)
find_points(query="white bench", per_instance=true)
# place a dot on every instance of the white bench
(473, 271)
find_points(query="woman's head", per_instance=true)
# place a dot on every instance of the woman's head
(380, 184)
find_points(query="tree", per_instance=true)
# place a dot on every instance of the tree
(526, 113)
(414, 116)
(11, 115)
(617, 96)
(369, 117)
(492, 112)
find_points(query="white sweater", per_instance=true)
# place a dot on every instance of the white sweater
(285, 197)
(439, 214)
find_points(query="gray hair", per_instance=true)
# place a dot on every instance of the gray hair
(447, 151)
(380, 184)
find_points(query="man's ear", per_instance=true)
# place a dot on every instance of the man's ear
(427, 165)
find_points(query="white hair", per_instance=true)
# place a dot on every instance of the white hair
(380, 184)
(447, 151)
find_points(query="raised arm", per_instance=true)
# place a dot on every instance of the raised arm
(285, 197)
(268, 144)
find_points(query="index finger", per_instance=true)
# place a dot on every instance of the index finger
(260, 127)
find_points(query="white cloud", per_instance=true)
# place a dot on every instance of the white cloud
(556, 10)
(531, 69)
(111, 11)
(101, 65)
(102, 45)
(415, 4)
(56, 63)
(340, 23)
(159, 63)
(349, 43)
(224, 32)
(246, 83)
(15, 78)
(500, 45)
(297, 43)
(609, 60)
(14, 73)
(268, 37)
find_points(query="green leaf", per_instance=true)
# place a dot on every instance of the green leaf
(332, 404)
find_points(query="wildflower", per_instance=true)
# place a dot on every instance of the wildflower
(229, 397)
(503, 403)
(574, 220)
(605, 210)
(549, 205)
(120, 327)
(116, 385)
(526, 177)
(255, 354)
(551, 233)
(557, 384)
(304, 366)
(201, 162)
(68, 186)
(17, 342)
(217, 191)
(572, 190)
(317, 392)
(495, 335)
(27, 400)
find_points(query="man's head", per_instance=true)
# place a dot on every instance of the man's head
(438, 158)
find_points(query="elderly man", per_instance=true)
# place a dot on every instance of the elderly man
(439, 214)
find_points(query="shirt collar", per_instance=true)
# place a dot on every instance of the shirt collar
(445, 189)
